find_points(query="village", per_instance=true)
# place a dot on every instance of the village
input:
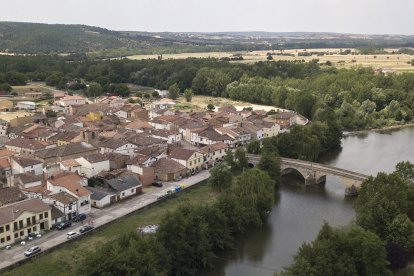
(94, 154)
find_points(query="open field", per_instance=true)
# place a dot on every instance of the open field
(65, 260)
(394, 62)
(199, 103)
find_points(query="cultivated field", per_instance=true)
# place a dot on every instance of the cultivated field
(390, 62)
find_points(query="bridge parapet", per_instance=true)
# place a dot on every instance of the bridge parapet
(315, 173)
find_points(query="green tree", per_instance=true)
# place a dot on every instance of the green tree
(210, 107)
(221, 177)
(128, 255)
(155, 94)
(94, 90)
(241, 159)
(255, 191)
(406, 171)
(270, 163)
(173, 91)
(188, 93)
(50, 113)
(401, 231)
(349, 251)
(5, 87)
(253, 147)
(185, 236)
(380, 200)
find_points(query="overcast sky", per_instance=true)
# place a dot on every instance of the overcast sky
(345, 16)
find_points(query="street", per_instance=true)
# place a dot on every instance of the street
(97, 217)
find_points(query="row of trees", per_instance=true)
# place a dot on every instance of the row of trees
(189, 237)
(358, 97)
(382, 239)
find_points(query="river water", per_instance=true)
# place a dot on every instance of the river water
(300, 211)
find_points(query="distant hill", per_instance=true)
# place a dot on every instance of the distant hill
(36, 38)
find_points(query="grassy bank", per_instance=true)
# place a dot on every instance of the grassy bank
(64, 260)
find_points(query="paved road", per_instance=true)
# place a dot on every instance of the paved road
(98, 217)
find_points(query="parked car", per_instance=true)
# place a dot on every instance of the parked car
(79, 217)
(157, 184)
(64, 224)
(86, 228)
(32, 251)
(72, 234)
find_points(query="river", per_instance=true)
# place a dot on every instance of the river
(300, 211)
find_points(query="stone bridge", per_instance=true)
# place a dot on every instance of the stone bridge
(315, 173)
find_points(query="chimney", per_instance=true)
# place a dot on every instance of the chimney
(168, 150)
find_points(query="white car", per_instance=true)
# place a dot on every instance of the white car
(72, 234)
(32, 251)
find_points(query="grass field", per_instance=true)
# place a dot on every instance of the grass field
(394, 62)
(64, 261)
(199, 103)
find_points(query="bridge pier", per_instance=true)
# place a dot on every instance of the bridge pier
(315, 180)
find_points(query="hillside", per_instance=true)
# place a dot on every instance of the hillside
(36, 38)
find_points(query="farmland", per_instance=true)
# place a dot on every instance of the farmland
(391, 62)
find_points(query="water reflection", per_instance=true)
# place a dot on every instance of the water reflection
(300, 211)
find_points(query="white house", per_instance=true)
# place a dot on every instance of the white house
(118, 146)
(72, 184)
(23, 165)
(214, 153)
(71, 100)
(65, 202)
(101, 198)
(93, 164)
(26, 105)
(172, 137)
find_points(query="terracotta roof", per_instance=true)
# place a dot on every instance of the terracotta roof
(139, 159)
(27, 144)
(113, 143)
(95, 158)
(26, 162)
(181, 153)
(144, 140)
(214, 147)
(285, 115)
(70, 181)
(138, 124)
(4, 163)
(73, 98)
(64, 198)
(167, 165)
(28, 177)
(5, 152)
(70, 163)
(65, 150)
(10, 195)
(10, 212)
(67, 136)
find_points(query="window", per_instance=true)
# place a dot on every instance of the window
(123, 194)
(7, 227)
(16, 235)
(132, 190)
(20, 223)
(46, 214)
(28, 221)
(21, 233)
(8, 238)
(34, 219)
(1, 229)
(41, 216)
(191, 162)
(35, 229)
(2, 240)
(15, 226)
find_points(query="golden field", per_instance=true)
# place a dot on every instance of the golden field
(393, 62)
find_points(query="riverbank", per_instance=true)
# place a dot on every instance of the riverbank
(64, 260)
(395, 127)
